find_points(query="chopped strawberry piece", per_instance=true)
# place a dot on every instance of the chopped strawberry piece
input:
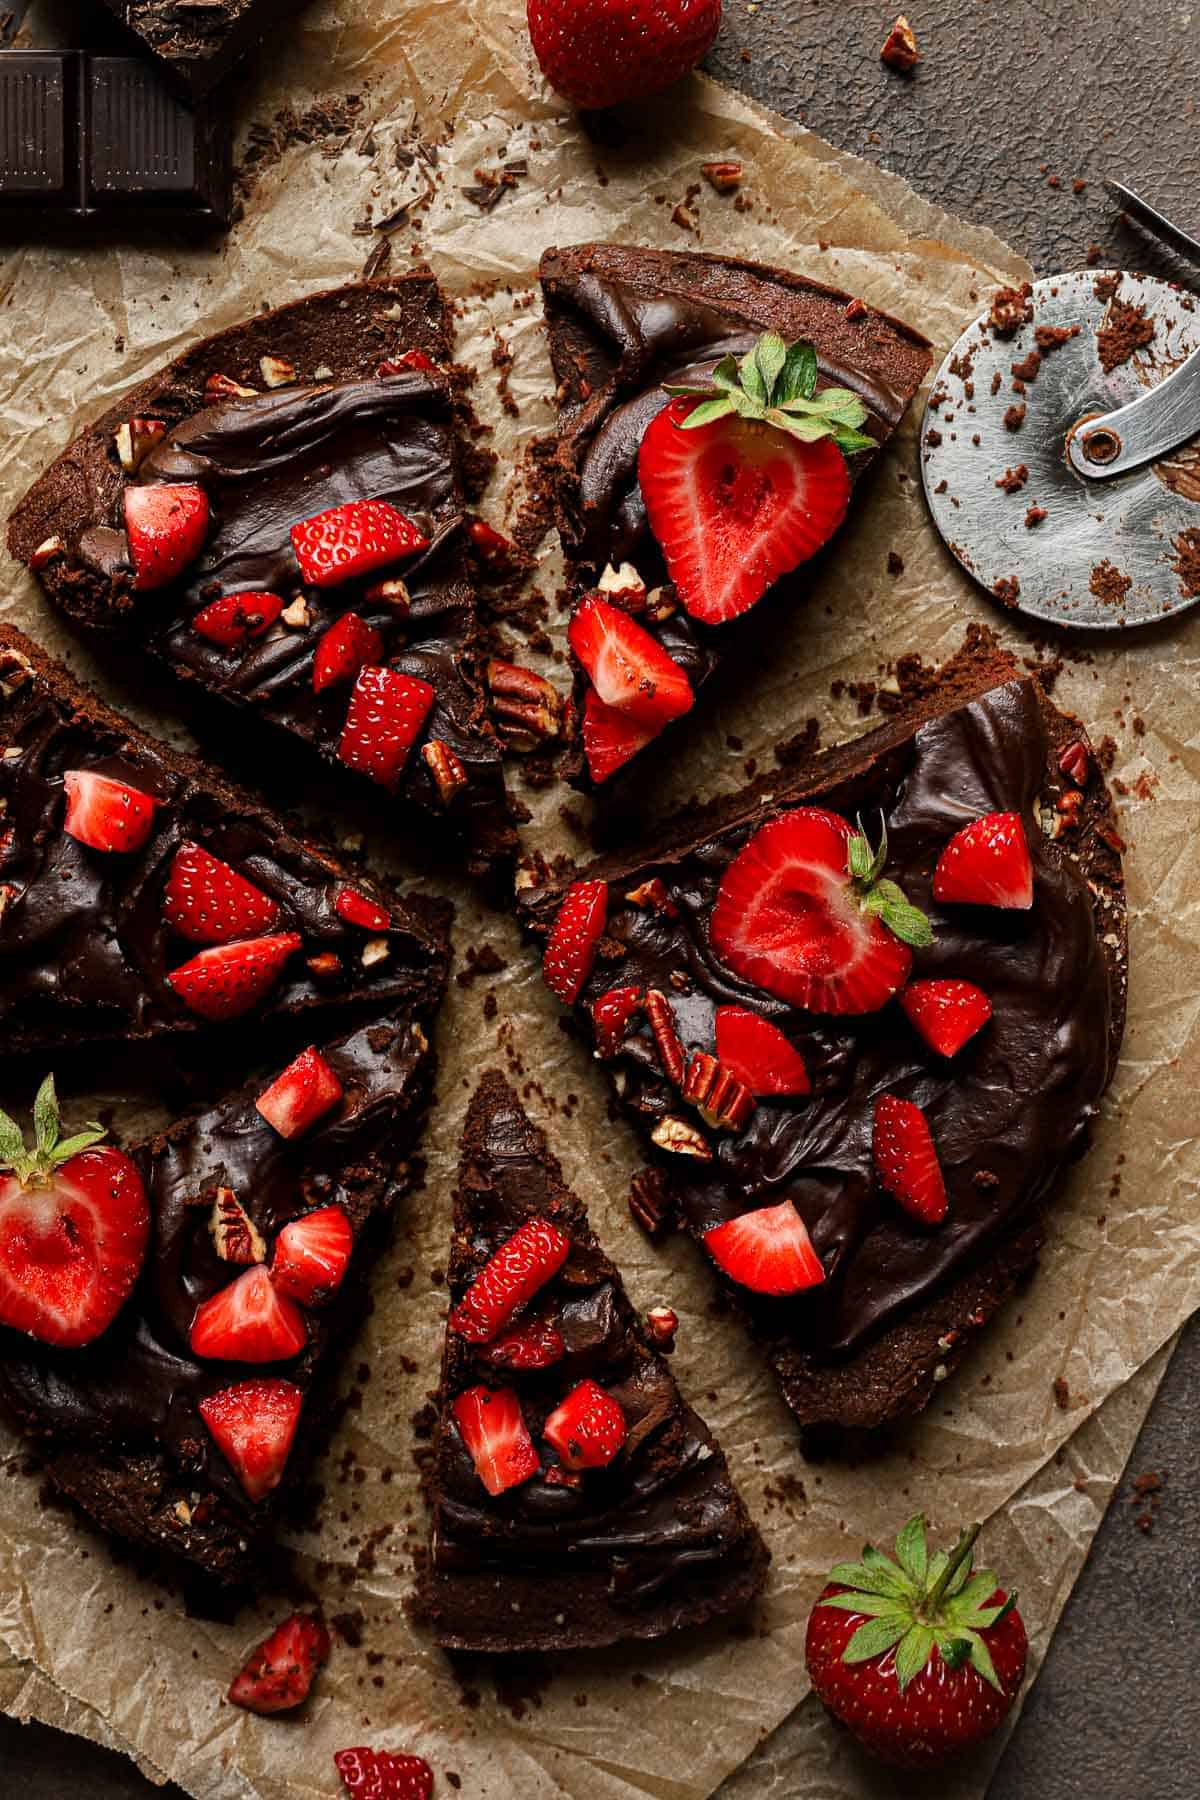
(348, 541)
(735, 504)
(165, 526)
(208, 902)
(343, 649)
(611, 1014)
(571, 947)
(412, 359)
(386, 712)
(233, 618)
(300, 1096)
(768, 1251)
(611, 738)
(106, 814)
(253, 1424)
(509, 1279)
(906, 1161)
(312, 1255)
(491, 544)
(536, 1345)
(758, 1053)
(384, 1775)
(279, 1672)
(493, 1428)
(357, 909)
(786, 918)
(588, 1429)
(987, 863)
(248, 1321)
(628, 668)
(226, 981)
(946, 1013)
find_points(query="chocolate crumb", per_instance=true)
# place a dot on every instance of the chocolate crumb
(1128, 329)
(1014, 418)
(1108, 584)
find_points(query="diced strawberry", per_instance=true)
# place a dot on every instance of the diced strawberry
(383, 1775)
(987, 863)
(412, 359)
(768, 1251)
(312, 1255)
(279, 1672)
(588, 1429)
(611, 738)
(248, 1321)
(358, 909)
(165, 526)
(536, 1345)
(906, 1161)
(355, 539)
(758, 1053)
(628, 668)
(509, 1279)
(492, 545)
(571, 947)
(106, 814)
(946, 1013)
(229, 979)
(253, 1424)
(787, 918)
(735, 504)
(343, 649)
(386, 712)
(300, 1096)
(493, 1428)
(233, 618)
(611, 1014)
(208, 902)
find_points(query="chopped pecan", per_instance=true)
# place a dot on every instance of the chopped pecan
(235, 1237)
(527, 709)
(623, 587)
(325, 966)
(724, 176)
(660, 1013)
(375, 950)
(136, 438)
(223, 387)
(392, 593)
(277, 371)
(297, 614)
(1074, 762)
(650, 1203)
(715, 1091)
(680, 1138)
(46, 552)
(652, 896)
(900, 47)
(449, 776)
(662, 1323)
(661, 602)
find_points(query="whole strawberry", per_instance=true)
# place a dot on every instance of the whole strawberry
(920, 1657)
(599, 52)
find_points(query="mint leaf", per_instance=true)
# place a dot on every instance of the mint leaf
(872, 1639)
(911, 1551)
(707, 411)
(799, 375)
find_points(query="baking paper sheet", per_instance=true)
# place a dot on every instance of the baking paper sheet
(116, 1651)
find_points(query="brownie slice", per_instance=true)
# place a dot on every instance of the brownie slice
(85, 947)
(624, 320)
(330, 429)
(118, 1422)
(659, 1538)
(199, 41)
(900, 1304)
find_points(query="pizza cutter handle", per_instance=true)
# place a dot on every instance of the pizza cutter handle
(1158, 421)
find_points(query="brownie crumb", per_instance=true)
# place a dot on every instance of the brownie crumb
(1013, 480)
(1007, 590)
(895, 563)
(1010, 309)
(1105, 286)
(1128, 329)
(1034, 516)
(1062, 1393)
(1027, 368)
(1187, 562)
(1053, 337)
(1014, 418)
(1108, 584)
(481, 960)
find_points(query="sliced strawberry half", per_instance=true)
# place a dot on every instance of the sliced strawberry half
(233, 618)
(343, 649)
(278, 1673)
(229, 979)
(492, 1426)
(791, 918)
(571, 947)
(588, 1429)
(253, 1425)
(757, 1052)
(355, 539)
(165, 525)
(386, 712)
(768, 1251)
(987, 863)
(359, 909)
(735, 504)
(209, 902)
(384, 1774)
(946, 1013)
(536, 1345)
(628, 668)
(509, 1279)
(906, 1161)
(312, 1255)
(611, 738)
(300, 1096)
(611, 1014)
(106, 814)
(248, 1321)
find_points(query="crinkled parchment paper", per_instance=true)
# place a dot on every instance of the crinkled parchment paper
(95, 1646)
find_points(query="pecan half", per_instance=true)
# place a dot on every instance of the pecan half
(449, 776)
(680, 1138)
(235, 1237)
(526, 708)
(715, 1091)
(661, 1015)
(1073, 762)
(651, 1204)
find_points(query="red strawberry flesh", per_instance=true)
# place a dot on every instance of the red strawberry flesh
(312, 1255)
(906, 1161)
(610, 738)
(228, 979)
(598, 54)
(493, 1429)
(758, 1054)
(987, 863)
(209, 902)
(628, 668)
(588, 1429)
(768, 1251)
(386, 712)
(253, 1423)
(946, 1013)
(248, 1321)
(278, 1673)
(352, 540)
(611, 1014)
(343, 649)
(231, 619)
(571, 947)
(509, 1279)
(531, 1345)
(106, 814)
(165, 525)
(300, 1096)
(359, 909)
(383, 1774)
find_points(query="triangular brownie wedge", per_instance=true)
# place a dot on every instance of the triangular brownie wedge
(183, 1425)
(862, 1122)
(141, 894)
(623, 322)
(577, 1499)
(277, 519)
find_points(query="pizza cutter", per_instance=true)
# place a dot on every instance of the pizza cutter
(1061, 464)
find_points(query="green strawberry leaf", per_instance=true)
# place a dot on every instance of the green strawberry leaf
(981, 1660)
(798, 378)
(707, 411)
(903, 920)
(770, 355)
(873, 1638)
(45, 1118)
(849, 441)
(910, 1547)
(868, 1581)
(752, 378)
(12, 1142)
(83, 1140)
(981, 1586)
(872, 1606)
(776, 383)
(726, 374)
(913, 1654)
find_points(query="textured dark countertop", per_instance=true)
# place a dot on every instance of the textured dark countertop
(1009, 94)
